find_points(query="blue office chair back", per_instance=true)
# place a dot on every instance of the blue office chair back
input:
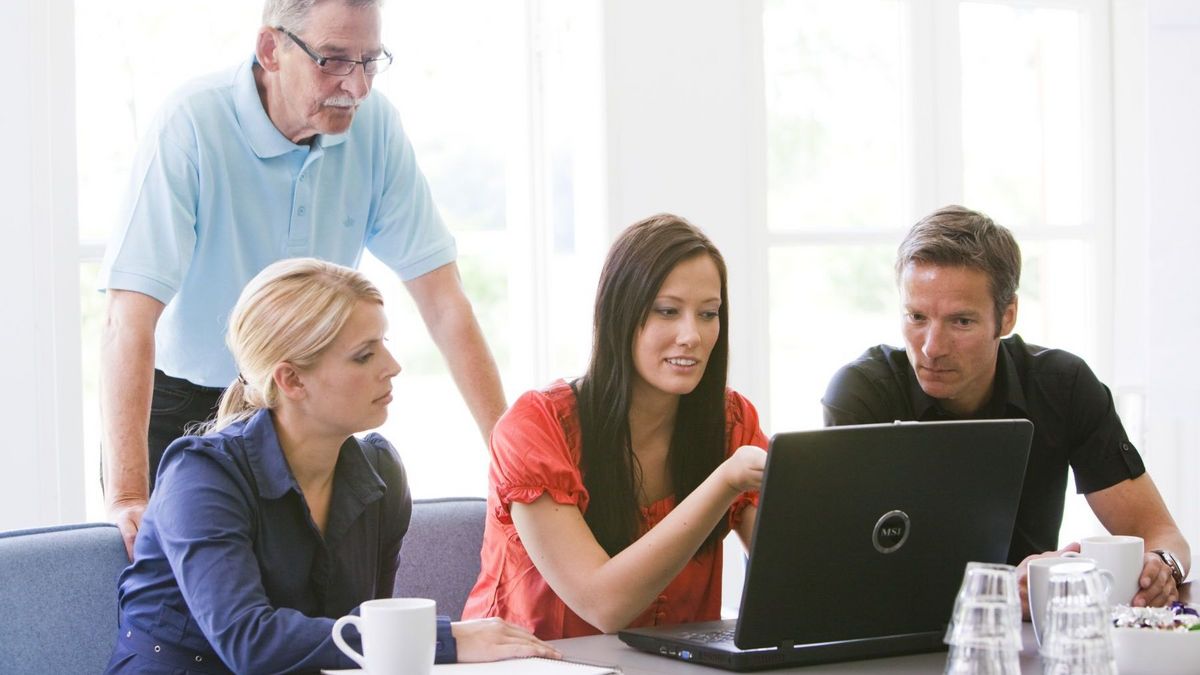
(58, 598)
(439, 558)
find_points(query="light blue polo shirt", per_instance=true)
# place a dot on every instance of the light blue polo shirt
(217, 194)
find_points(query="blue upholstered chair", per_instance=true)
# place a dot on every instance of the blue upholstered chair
(439, 558)
(58, 598)
(58, 585)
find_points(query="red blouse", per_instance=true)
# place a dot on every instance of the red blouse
(536, 449)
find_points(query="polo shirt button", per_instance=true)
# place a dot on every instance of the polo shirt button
(129, 633)
(300, 210)
(157, 649)
(199, 659)
(1126, 447)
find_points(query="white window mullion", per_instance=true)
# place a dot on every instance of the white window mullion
(923, 112)
(1098, 170)
(753, 317)
(522, 215)
(947, 99)
(935, 104)
(540, 167)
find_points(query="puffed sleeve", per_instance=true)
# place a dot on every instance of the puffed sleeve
(742, 428)
(532, 456)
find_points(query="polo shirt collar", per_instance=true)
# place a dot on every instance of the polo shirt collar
(925, 407)
(261, 133)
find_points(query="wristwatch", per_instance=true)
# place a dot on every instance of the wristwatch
(1173, 563)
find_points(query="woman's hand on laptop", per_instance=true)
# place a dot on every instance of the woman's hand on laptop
(1023, 573)
(494, 639)
(743, 470)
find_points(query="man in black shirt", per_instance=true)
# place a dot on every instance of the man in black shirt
(958, 273)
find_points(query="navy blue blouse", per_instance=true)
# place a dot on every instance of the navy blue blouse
(229, 563)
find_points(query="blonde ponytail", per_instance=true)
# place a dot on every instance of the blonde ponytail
(290, 312)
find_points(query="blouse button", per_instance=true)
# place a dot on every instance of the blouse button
(128, 633)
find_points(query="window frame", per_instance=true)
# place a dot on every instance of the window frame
(935, 115)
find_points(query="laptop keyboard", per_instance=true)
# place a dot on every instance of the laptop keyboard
(710, 636)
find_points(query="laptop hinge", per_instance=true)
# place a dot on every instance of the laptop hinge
(787, 645)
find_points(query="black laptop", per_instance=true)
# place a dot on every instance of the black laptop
(860, 543)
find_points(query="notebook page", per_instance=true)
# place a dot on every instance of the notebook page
(531, 666)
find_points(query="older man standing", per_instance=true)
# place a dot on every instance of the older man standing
(958, 274)
(288, 154)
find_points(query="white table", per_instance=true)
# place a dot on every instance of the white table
(609, 650)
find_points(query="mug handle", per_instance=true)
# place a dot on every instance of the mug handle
(338, 640)
(1109, 580)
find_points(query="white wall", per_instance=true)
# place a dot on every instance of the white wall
(41, 479)
(1171, 313)
(686, 134)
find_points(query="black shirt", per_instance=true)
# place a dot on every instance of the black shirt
(1074, 421)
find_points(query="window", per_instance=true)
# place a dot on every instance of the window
(872, 123)
(504, 131)
(129, 56)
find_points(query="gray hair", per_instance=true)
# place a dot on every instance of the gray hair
(292, 14)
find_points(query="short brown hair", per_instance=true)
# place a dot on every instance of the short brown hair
(959, 237)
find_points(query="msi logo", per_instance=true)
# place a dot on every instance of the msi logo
(890, 531)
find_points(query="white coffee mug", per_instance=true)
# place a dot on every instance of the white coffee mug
(399, 635)
(1038, 578)
(1121, 555)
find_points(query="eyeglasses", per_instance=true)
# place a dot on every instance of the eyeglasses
(332, 65)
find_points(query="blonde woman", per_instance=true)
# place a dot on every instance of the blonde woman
(278, 519)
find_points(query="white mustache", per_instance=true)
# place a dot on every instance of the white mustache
(342, 102)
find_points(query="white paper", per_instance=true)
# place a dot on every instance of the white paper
(534, 666)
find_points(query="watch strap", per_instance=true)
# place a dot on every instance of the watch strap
(1172, 563)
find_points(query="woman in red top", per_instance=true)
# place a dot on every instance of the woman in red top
(610, 496)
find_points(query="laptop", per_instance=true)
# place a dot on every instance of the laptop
(860, 542)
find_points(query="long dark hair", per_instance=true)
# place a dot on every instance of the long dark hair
(635, 270)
